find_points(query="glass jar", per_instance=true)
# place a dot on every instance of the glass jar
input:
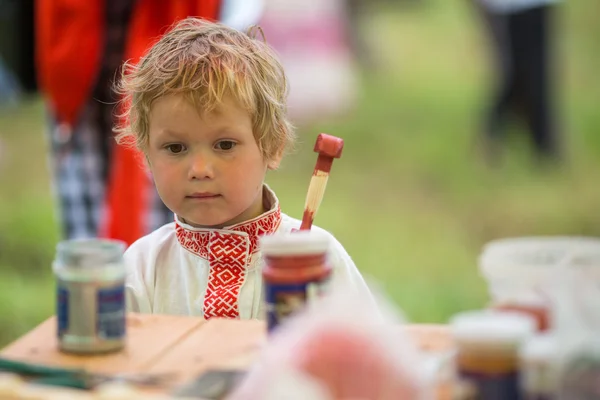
(487, 355)
(296, 272)
(90, 304)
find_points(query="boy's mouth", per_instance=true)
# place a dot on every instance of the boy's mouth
(203, 195)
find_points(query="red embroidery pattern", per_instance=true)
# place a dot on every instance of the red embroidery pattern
(228, 252)
(228, 256)
(193, 241)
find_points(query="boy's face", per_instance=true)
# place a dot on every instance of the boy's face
(207, 168)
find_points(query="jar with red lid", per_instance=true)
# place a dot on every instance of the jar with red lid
(295, 274)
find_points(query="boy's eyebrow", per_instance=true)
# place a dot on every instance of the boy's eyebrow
(168, 133)
(165, 132)
(228, 129)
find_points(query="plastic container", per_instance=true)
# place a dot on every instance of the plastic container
(90, 306)
(488, 344)
(296, 272)
(517, 270)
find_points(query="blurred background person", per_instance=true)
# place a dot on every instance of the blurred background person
(357, 12)
(103, 189)
(311, 39)
(522, 40)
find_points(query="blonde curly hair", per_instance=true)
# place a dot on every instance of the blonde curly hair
(205, 61)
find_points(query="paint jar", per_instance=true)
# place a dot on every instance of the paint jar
(90, 306)
(518, 271)
(539, 364)
(296, 272)
(487, 355)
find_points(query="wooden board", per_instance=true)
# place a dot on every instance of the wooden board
(219, 344)
(149, 337)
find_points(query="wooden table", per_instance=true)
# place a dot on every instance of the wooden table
(184, 346)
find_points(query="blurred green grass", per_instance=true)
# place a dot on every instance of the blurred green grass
(409, 199)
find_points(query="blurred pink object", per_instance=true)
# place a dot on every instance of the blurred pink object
(344, 347)
(351, 366)
(310, 37)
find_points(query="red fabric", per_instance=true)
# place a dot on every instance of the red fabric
(62, 56)
(228, 253)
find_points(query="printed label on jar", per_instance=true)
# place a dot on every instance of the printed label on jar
(111, 313)
(62, 310)
(283, 300)
(494, 387)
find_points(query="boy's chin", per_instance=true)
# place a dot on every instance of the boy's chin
(203, 223)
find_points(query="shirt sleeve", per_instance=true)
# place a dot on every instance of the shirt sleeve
(345, 271)
(137, 298)
(347, 277)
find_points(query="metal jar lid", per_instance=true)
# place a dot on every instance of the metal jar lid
(89, 253)
(300, 243)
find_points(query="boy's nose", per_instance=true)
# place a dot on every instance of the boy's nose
(201, 168)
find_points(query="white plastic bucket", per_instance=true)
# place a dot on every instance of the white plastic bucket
(515, 269)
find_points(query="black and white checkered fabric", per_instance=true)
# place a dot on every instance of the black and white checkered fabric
(80, 179)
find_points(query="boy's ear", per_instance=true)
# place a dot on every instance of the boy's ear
(275, 160)
(274, 164)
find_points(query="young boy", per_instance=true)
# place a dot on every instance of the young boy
(207, 107)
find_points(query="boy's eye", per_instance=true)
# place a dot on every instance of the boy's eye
(225, 145)
(175, 148)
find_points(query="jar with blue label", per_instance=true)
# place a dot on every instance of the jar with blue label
(90, 295)
(296, 272)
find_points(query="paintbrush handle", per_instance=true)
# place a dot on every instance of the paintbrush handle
(307, 220)
(314, 197)
(328, 147)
